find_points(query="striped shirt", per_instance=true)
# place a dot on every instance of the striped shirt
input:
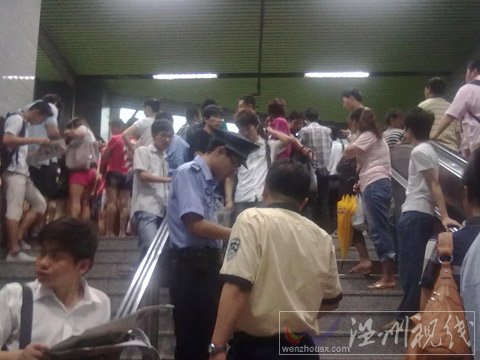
(393, 136)
(450, 137)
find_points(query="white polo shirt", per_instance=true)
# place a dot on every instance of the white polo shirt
(150, 197)
(52, 322)
(251, 179)
(288, 263)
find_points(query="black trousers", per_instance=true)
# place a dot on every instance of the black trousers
(195, 292)
(245, 347)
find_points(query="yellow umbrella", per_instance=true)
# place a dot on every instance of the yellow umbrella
(346, 207)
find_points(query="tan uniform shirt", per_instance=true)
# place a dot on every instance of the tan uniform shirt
(288, 263)
(451, 136)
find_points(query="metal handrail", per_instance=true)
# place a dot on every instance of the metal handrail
(404, 183)
(143, 274)
(449, 160)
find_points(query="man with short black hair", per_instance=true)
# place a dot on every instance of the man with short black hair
(247, 102)
(140, 130)
(434, 91)
(352, 99)
(18, 185)
(196, 241)
(318, 138)
(465, 107)
(272, 269)
(212, 117)
(63, 303)
(151, 184)
(192, 115)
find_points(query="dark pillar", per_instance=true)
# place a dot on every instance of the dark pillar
(88, 102)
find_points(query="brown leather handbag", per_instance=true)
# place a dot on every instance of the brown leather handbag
(441, 328)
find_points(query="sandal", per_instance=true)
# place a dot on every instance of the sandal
(382, 286)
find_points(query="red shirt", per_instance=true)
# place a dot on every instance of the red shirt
(117, 161)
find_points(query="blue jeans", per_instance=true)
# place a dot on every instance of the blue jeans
(376, 205)
(147, 226)
(414, 228)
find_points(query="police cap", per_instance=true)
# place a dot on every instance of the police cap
(240, 146)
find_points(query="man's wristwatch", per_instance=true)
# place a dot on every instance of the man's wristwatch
(216, 349)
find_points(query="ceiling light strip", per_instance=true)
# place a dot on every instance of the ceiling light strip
(17, 77)
(332, 75)
(185, 76)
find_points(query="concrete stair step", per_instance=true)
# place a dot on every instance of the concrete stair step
(112, 256)
(379, 346)
(117, 244)
(353, 282)
(384, 300)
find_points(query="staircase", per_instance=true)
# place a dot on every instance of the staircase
(375, 307)
(111, 274)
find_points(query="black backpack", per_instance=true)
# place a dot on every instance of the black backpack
(6, 154)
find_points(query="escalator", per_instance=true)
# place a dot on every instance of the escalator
(450, 175)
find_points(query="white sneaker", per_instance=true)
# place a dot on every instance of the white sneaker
(21, 256)
(25, 246)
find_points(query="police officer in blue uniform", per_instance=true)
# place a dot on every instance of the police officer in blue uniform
(196, 242)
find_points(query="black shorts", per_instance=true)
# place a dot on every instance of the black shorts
(117, 180)
(45, 179)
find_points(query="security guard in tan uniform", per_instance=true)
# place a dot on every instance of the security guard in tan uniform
(276, 261)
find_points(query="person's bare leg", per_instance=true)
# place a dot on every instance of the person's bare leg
(13, 227)
(112, 199)
(387, 280)
(75, 200)
(85, 204)
(29, 218)
(123, 204)
(364, 266)
(61, 208)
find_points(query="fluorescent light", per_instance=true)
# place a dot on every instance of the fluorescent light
(347, 74)
(184, 76)
(17, 77)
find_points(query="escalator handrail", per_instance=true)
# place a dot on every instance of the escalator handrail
(143, 275)
(460, 159)
(403, 182)
(443, 151)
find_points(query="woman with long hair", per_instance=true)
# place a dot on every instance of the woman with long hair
(374, 172)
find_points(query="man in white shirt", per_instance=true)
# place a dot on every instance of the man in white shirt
(63, 303)
(18, 185)
(251, 178)
(466, 106)
(140, 130)
(150, 183)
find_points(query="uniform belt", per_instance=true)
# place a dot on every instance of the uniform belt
(194, 254)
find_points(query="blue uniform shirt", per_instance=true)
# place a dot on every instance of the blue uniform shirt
(192, 191)
(177, 154)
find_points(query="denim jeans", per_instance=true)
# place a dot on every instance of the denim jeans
(376, 205)
(414, 228)
(147, 226)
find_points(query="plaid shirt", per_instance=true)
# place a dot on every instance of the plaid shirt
(319, 139)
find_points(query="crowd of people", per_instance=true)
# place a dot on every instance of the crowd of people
(279, 179)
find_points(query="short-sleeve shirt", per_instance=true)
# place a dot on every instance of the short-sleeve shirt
(393, 136)
(51, 321)
(281, 124)
(418, 195)
(150, 197)
(450, 137)
(251, 179)
(13, 126)
(40, 131)
(177, 153)
(143, 129)
(319, 139)
(288, 263)
(467, 100)
(117, 161)
(192, 191)
(374, 162)
(470, 292)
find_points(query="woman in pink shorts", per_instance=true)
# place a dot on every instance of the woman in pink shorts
(81, 180)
